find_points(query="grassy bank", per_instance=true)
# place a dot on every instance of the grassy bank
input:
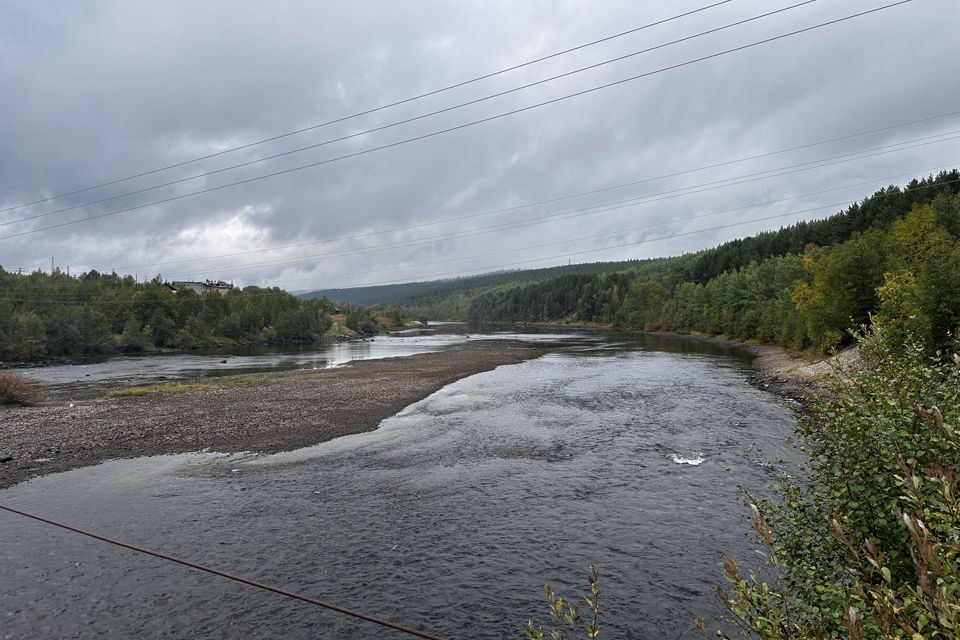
(179, 388)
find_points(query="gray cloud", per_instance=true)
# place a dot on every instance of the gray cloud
(96, 91)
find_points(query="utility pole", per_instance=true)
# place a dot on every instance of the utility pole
(51, 265)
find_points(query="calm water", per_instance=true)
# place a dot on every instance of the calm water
(449, 517)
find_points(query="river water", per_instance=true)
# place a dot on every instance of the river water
(450, 517)
(91, 379)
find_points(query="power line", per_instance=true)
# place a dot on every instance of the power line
(717, 184)
(465, 125)
(485, 231)
(372, 110)
(614, 233)
(551, 200)
(229, 576)
(365, 132)
(600, 208)
(580, 238)
(609, 206)
(490, 269)
(606, 248)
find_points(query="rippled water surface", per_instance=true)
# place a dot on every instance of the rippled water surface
(450, 517)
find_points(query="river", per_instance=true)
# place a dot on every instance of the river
(92, 378)
(449, 517)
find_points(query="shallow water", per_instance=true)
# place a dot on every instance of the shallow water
(93, 378)
(450, 517)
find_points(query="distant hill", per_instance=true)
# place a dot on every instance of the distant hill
(649, 293)
(894, 255)
(420, 292)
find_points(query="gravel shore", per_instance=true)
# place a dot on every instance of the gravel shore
(266, 413)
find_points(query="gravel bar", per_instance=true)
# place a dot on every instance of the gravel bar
(268, 413)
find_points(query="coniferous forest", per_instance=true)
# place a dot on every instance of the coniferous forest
(895, 254)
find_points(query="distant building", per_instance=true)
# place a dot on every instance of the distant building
(202, 288)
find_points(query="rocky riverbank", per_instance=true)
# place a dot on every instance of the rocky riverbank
(266, 413)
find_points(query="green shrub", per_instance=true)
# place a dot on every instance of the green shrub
(869, 545)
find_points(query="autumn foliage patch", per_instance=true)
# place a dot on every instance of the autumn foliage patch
(16, 390)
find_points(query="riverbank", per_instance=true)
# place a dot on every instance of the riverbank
(269, 413)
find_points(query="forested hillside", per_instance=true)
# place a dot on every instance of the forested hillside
(56, 315)
(803, 286)
(437, 291)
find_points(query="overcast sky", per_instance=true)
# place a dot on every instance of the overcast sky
(96, 91)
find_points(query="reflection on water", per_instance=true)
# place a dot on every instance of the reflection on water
(449, 517)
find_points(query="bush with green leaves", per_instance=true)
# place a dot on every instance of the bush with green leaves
(868, 544)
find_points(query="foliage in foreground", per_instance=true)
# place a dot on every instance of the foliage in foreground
(17, 390)
(869, 546)
(567, 618)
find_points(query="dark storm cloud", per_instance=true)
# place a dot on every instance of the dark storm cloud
(95, 91)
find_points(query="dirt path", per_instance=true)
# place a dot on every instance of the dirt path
(267, 413)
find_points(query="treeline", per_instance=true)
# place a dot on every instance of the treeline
(878, 210)
(456, 304)
(55, 315)
(425, 293)
(803, 286)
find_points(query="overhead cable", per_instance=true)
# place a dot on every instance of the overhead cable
(709, 186)
(550, 200)
(368, 111)
(78, 298)
(223, 574)
(365, 132)
(461, 126)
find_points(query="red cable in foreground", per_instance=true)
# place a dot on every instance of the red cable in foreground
(224, 574)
